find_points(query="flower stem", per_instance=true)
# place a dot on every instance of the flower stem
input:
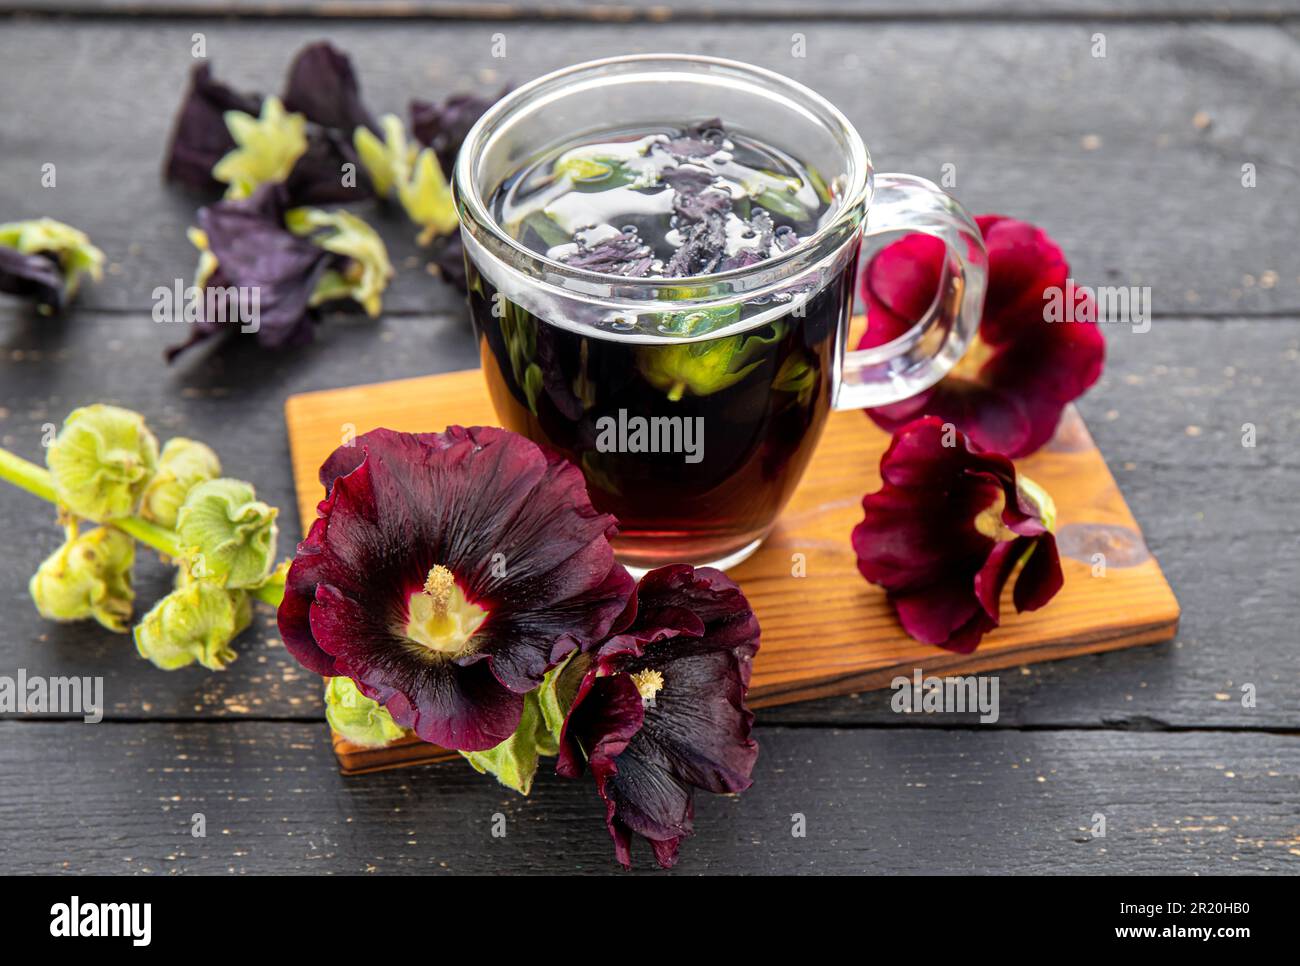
(37, 480)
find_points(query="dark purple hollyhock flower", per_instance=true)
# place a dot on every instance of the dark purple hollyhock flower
(254, 251)
(323, 87)
(443, 126)
(661, 708)
(947, 529)
(447, 573)
(199, 137)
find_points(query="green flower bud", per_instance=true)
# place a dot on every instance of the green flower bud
(183, 464)
(70, 247)
(706, 366)
(195, 622)
(343, 233)
(102, 461)
(229, 533)
(357, 718)
(267, 148)
(89, 576)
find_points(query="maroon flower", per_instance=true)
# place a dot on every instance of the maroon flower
(661, 708)
(1020, 371)
(447, 573)
(947, 529)
(443, 126)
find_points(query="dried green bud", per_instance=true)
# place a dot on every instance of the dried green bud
(426, 196)
(195, 622)
(415, 174)
(387, 162)
(70, 247)
(184, 463)
(368, 270)
(267, 148)
(102, 461)
(357, 718)
(228, 533)
(89, 576)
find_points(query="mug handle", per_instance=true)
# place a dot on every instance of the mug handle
(919, 358)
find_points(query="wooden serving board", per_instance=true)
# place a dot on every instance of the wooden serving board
(828, 632)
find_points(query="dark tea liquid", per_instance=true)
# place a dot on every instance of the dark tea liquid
(694, 427)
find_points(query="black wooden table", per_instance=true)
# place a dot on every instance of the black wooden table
(1133, 161)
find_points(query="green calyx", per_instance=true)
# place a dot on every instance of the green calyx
(102, 461)
(228, 534)
(69, 246)
(89, 576)
(1039, 498)
(184, 464)
(195, 622)
(267, 148)
(702, 367)
(368, 270)
(361, 720)
(413, 174)
(514, 762)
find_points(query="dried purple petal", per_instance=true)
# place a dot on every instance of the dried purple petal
(36, 276)
(199, 136)
(322, 85)
(443, 126)
(697, 141)
(622, 254)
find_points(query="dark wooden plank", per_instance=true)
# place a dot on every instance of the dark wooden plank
(658, 11)
(1132, 161)
(115, 799)
(1221, 519)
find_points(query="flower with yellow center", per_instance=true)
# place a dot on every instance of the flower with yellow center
(440, 618)
(649, 682)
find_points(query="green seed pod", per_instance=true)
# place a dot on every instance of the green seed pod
(229, 533)
(101, 461)
(195, 622)
(357, 718)
(89, 576)
(184, 464)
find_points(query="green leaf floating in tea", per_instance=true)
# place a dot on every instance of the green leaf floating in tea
(708, 366)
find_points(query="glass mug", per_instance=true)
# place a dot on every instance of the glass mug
(696, 443)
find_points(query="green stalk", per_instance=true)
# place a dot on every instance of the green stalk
(37, 480)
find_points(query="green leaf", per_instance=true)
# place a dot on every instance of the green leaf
(514, 762)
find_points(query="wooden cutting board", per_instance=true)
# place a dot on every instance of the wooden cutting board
(828, 632)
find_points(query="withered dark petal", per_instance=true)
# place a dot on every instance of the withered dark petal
(200, 137)
(322, 86)
(443, 126)
(691, 631)
(35, 276)
(622, 254)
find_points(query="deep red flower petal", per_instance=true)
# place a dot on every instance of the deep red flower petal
(695, 630)
(514, 526)
(921, 538)
(1013, 401)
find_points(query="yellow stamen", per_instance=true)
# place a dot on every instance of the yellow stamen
(649, 682)
(438, 586)
(439, 617)
(972, 361)
(989, 521)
